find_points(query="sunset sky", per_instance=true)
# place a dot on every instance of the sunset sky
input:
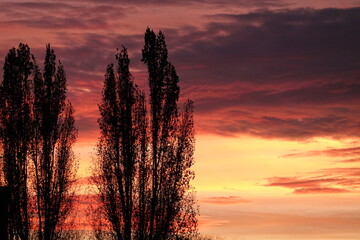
(276, 86)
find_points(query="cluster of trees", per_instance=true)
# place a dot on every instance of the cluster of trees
(144, 154)
(144, 157)
(37, 134)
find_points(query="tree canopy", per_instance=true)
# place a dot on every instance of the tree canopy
(144, 156)
(37, 135)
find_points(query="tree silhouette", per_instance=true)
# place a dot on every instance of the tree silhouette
(37, 134)
(121, 147)
(54, 135)
(16, 133)
(143, 166)
(172, 146)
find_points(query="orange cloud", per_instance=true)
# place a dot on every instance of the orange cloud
(331, 180)
(320, 190)
(332, 152)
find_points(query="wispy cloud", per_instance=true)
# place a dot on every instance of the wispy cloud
(330, 152)
(331, 180)
(225, 200)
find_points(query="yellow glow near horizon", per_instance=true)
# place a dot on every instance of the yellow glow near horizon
(244, 163)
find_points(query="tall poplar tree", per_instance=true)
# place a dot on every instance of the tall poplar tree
(52, 156)
(15, 137)
(122, 140)
(172, 213)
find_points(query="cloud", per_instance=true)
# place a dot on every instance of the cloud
(242, 3)
(55, 16)
(330, 152)
(295, 71)
(276, 73)
(343, 171)
(320, 190)
(268, 46)
(293, 182)
(327, 181)
(225, 200)
(351, 160)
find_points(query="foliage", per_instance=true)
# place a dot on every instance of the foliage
(54, 135)
(16, 134)
(121, 142)
(37, 134)
(143, 167)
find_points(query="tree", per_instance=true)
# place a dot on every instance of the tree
(143, 167)
(121, 145)
(172, 146)
(37, 134)
(16, 133)
(52, 156)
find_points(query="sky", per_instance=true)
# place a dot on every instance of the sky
(276, 89)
